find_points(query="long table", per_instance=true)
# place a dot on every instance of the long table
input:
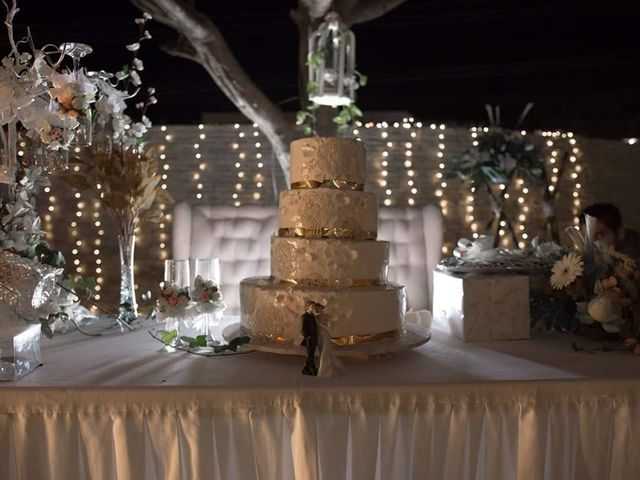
(120, 407)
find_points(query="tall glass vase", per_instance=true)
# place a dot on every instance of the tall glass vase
(8, 162)
(128, 309)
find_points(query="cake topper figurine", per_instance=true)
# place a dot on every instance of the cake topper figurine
(309, 330)
(330, 364)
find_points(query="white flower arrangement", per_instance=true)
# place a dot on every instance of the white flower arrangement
(20, 227)
(177, 302)
(47, 102)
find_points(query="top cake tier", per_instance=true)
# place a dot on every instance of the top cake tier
(331, 162)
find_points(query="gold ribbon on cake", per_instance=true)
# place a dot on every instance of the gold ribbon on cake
(328, 232)
(317, 282)
(337, 184)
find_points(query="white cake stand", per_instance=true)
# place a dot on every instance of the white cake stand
(412, 336)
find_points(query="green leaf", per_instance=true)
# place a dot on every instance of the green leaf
(362, 79)
(301, 117)
(238, 342)
(48, 256)
(168, 336)
(355, 111)
(312, 87)
(81, 285)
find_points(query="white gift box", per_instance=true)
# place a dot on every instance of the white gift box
(19, 350)
(479, 308)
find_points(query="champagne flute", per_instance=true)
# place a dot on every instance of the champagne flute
(178, 272)
(209, 270)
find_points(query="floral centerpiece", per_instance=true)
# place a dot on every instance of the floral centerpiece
(593, 290)
(189, 310)
(120, 169)
(36, 99)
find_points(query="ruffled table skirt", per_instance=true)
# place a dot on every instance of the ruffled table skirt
(118, 407)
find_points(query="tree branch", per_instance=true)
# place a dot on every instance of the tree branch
(360, 11)
(208, 48)
(351, 11)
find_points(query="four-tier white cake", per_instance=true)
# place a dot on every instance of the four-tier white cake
(325, 251)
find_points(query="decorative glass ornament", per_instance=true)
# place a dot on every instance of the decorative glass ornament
(331, 60)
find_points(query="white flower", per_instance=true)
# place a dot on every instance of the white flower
(147, 16)
(146, 121)
(147, 35)
(133, 47)
(566, 270)
(137, 64)
(206, 291)
(138, 129)
(135, 78)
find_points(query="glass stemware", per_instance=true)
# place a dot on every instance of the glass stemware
(209, 270)
(83, 132)
(178, 272)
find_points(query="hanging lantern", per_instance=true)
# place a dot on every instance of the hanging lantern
(332, 53)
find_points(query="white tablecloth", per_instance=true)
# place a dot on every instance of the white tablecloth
(120, 407)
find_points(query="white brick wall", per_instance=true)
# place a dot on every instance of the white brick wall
(611, 170)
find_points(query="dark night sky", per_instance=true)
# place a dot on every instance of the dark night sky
(442, 60)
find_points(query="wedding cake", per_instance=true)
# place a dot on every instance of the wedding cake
(325, 251)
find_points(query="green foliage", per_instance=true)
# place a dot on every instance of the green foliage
(499, 156)
(345, 118)
(81, 285)
(172, 339)
(233, 345)
(168, 337)
(48, 256)
(199, 341)
(361, 79)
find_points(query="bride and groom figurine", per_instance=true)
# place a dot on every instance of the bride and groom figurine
(315, 334)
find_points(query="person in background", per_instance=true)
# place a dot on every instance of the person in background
(610, 230)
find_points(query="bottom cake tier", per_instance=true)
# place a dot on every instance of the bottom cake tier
(271, 310)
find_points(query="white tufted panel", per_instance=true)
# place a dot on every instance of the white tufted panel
(414, 234)
(240, 237)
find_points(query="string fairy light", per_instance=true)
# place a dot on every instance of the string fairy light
(469, 204)
(240, 174)
(383, 180)
(201, 165)
(409, 163)
(258, 178)
(439, 131)
(166, 217)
